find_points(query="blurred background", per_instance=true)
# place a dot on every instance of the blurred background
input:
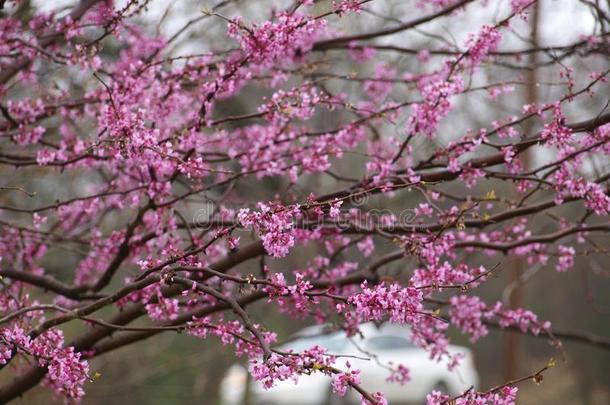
(176, 369)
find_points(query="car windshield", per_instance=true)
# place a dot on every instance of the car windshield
(389, 343)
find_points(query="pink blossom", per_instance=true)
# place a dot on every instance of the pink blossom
(275, 224)
(289, 36)
(342, 381)
(466, 313)
(566, 258)
(482, 44)
(346, 6)
(335, 209)
(400, 375)
(400, 305)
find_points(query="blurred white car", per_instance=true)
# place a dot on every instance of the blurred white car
(388, 344)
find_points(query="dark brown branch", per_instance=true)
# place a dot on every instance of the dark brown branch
(76, 14)
(48, 283)
(329, 43)
(570, 335)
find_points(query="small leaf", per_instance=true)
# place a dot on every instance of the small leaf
(491, 195)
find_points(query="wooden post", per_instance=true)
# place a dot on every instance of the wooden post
(516, 299)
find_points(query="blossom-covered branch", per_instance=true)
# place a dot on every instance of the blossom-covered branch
(158, 181)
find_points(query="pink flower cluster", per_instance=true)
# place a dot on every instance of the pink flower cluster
(568, 184)
(468, 314)
(430, 249)
(482, 44)
(566, 258)
(522, 318)
(503, 396)
(290, 366)
(289, 37)
(399, 375)
(67, 372)
(346, 6)
(274, 223)
(158, 306)
(231, 333)
(378, 398)
(437, 92)
(297, 103)
(435, 277)
(398, 304)
(519, 6)
(342, 381)
(382, 84)
(556, 133)
(291, 299)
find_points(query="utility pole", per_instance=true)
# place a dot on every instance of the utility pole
(516, 298)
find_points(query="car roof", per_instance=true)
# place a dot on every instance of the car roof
(368, 330)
